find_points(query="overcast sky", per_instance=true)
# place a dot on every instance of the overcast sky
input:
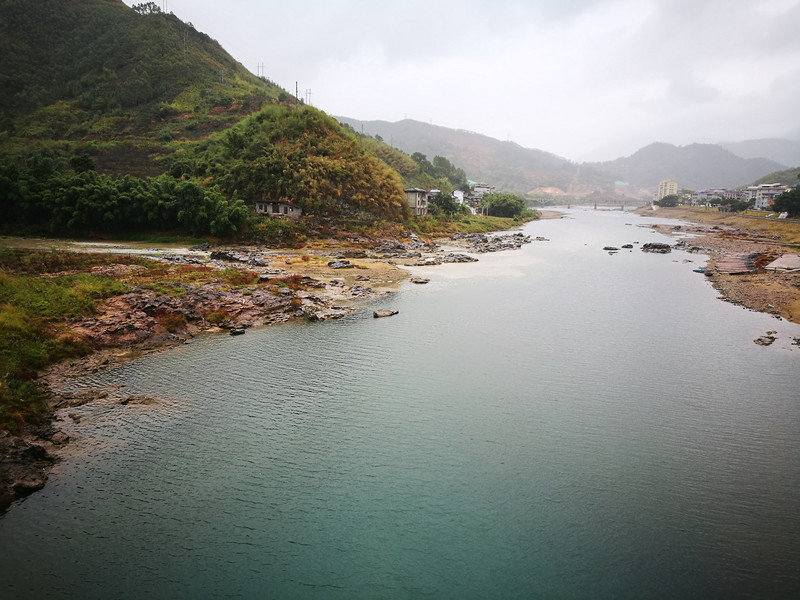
(584, 79)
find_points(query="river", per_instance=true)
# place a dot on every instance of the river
(553, 422)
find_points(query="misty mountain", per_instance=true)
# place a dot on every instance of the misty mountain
(505, 165)
(694, 167)
(786, 152)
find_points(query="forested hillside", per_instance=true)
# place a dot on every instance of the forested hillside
(117, 119)
(299, 155)
(99, 74)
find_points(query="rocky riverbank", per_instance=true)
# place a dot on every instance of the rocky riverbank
(219, 289)
(752, 244)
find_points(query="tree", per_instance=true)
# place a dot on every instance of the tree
(146, 8)
(671, 200)
(788, 202)
(445, 204)
(82, 163)
(504, 205)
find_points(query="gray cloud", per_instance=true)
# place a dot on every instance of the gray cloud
(567, 77)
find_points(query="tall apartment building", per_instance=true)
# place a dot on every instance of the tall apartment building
(666, 188)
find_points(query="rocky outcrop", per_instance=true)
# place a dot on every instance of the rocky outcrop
(657, 248)
(243, 256)
(384, 313)
(23, 468)
(481, 242)
(450, 257)
(341, 264)
(767, 339)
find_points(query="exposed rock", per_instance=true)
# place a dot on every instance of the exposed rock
(23, 468)
(350, 254)
(765, 340)
(326, 314)
(657, 248)
(481, 242)
(341, 264)
(144, 400)
(419, 280)
(59, 437)
(384, 313)
(455, 257)
(358, 290)
(243, 255)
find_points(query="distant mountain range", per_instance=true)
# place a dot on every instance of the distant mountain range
(786, 152)
(694, 167)
(505, 165)
(513, 168)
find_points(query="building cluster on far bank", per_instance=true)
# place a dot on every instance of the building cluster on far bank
(761, 196)
(419, 198)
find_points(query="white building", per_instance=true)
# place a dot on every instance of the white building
(763, 195)
(278, 208)
(666, 188)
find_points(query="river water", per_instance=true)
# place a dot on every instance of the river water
(554, 422)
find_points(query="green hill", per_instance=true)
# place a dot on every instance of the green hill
(114, 117)
(790, 177)
(116, 82)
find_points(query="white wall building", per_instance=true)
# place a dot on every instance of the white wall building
(763, 195)
(666, 188)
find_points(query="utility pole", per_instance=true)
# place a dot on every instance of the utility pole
(222, 75)
(296, 94)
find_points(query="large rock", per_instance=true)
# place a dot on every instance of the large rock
(23, 468)
(384, 313)
(657, 248)
(341, 264)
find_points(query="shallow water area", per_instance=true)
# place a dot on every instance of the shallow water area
(554, 422)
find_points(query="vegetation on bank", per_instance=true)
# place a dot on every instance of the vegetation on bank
(33, 308)
(44, 195)
(40, 291)
(788, 202)
(298, 155)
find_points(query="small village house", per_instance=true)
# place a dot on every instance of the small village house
(278, 208)
(417, 200)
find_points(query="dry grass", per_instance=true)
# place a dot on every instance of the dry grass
(788, 231)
